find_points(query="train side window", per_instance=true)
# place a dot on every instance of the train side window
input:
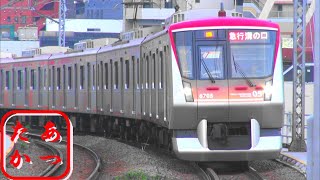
(19, 80)
(116, 80)
(121, 73)
(33, 79)
(106, 78)
(93, 76)
(161, 71)
(1, 81)
(49, 83)
(138, 73)
(98, 75)
(39, 77)
(69, 78)
(147, 72)
(44, 78)
(58, 78)
(133, 72)
(64, 76)
(127, 75)
(142, 72)
(7, 79)
(89, 76)
(81, 77)
(154, 71)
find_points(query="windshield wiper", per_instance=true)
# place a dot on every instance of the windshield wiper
(207, 70)
(238, 68)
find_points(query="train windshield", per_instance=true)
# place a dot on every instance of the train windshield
(222, 54)
(252, 52)
(212, 62)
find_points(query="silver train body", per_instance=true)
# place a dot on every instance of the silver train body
(161, 79)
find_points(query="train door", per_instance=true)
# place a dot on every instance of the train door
(212, 84)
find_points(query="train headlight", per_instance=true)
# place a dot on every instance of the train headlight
(187, 91)
(268, 91)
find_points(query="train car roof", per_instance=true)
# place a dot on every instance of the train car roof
(75, 54)
(223, 22)
(25, 59)
(134, 42)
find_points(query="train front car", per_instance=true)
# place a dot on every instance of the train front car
(227, 91)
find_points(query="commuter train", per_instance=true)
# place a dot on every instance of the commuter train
(209, 89)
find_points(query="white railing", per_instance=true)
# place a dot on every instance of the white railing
(281, 14)
(286, 130)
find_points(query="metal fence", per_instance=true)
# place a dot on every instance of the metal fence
(286, 130)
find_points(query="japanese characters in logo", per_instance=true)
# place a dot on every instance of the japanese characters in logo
(20, 141)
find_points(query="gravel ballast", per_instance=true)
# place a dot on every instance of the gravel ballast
(119, 158)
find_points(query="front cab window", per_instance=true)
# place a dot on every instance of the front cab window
(184, 45)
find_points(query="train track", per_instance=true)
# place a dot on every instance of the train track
(208, 172)
(54, 169)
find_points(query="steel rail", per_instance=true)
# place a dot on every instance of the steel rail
(95, 172)
(53, 167)
(254, 174)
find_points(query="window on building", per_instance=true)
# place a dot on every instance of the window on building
(16, 19)
(35, 19)
(49, 6)
(197, 1)
(279, 7)
(23, 19)
(8, 19)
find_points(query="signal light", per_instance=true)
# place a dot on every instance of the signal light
(209, 34)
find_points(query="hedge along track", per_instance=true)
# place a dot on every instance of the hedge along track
(54, 168)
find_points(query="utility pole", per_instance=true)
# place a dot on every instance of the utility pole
(299, 59)
(62, 19)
